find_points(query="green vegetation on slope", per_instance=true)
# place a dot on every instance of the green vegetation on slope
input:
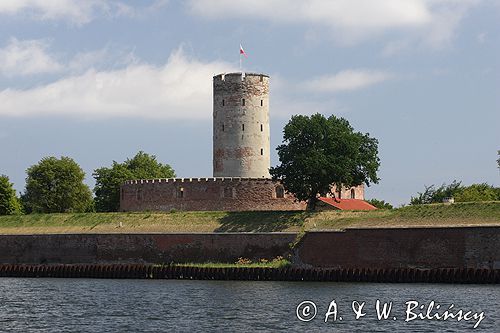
(458, 214)
(278, 262)
(433, 215)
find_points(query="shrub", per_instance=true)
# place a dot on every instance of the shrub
(380, 204)
(9, 203)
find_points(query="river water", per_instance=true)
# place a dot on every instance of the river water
(101, 305)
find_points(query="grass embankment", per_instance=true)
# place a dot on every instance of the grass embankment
(458, 214)
(278, 262)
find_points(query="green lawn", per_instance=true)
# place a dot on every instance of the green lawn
(458, 214)
(434, 215)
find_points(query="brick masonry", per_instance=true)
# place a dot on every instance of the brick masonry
(241, 159)
(241, 135)
(211, 194)
(467, 247)
(141, 248)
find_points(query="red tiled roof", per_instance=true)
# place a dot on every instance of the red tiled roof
(348, 204)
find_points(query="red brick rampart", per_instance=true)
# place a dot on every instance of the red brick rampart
(206, 194)
(457, 247)
(212, 194)
(411, 248)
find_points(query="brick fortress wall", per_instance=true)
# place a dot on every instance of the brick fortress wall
(206, 194)
(211, 194)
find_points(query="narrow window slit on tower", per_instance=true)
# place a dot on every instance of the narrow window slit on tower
(222, 127)
(243, 102)
(261, 102)
(223, 102)
(242, 127)
(261, 127)
(261, 151)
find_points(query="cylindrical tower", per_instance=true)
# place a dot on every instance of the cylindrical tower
(241, 125)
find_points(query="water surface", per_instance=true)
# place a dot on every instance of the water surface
(102, 305)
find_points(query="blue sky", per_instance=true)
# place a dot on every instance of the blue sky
(99, 80)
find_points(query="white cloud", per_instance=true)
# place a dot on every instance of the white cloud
(180, 89)
(33, 57)
(75, 11)
(356, 14)
(78, 12)
(349, 21)
(26, 58)
(446, 17)
(347, 80)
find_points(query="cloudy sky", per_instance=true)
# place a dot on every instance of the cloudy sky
(100, 80)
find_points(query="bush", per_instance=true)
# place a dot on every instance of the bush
(380, 204)
(433, 195)
(472, 193)
(9, 203)
(477, 192)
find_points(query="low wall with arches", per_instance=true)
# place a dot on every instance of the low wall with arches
(206, 194)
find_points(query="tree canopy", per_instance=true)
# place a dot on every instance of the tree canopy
(380, 204)
(471, 193)
(56, 186)
(109, 179)
(319, 152)
(9, 203)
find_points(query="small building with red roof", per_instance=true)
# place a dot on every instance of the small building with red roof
(343, 204)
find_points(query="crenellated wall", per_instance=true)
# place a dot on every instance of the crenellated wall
(212, 194)
(206, 194)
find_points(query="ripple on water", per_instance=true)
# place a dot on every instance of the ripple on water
(69, 305)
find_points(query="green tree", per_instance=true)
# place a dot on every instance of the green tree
(9, 203)
(436, 195)
(319, 152)
(56, 186)
(380, 204)
(108, 180)
(476, 192)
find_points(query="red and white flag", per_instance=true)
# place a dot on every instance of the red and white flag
(243, 51)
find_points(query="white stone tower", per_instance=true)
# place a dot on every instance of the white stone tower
(241, 135)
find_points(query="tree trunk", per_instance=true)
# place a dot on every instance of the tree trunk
(311, 204)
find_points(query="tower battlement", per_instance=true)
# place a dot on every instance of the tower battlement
(241, 76)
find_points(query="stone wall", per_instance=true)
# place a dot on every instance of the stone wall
(472, 247)
(141, 248)
(206, 194)
(212, 194)
(426, 248)
(241, 135)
